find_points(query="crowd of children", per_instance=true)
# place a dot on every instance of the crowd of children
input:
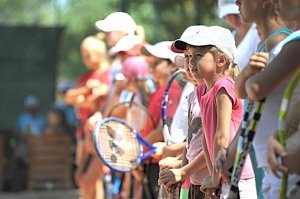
(224, 72)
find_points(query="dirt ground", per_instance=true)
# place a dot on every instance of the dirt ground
(51, 194)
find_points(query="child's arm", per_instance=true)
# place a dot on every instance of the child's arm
(76, 95)
(163, 150)
(221, 140)
(283, 66)
(172, 176)
(206, 155)
(255, 65)
(156, 135)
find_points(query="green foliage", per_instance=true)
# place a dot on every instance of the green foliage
(161, 19)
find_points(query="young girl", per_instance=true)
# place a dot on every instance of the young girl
(161, 66)
(193, 161)
(88, 97)
(275, 77)
(135, 71)
(211, 52)
(245, 34)
(57, 122)
(272, 31)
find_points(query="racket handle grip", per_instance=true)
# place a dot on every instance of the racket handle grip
(166, 134)
(232, 195)
(184, 191)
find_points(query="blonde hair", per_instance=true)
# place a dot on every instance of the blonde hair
(232, 67)
(94, 43)
(140, 31)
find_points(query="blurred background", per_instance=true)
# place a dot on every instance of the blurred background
(40, 48)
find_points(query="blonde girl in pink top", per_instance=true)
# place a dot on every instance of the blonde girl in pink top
(212, 59)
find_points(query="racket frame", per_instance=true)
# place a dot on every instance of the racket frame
(164, 104)
(141, 141)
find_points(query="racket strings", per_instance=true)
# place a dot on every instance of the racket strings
(118, 145)
(136, 117)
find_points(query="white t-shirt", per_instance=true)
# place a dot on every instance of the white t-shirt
(247, 46)
(179, 126)
(269, 119)
(268, 126)
(194, 138)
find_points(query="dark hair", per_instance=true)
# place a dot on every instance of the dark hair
(63, 125)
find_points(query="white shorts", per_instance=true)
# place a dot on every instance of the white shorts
(271, 184)
(247, 189)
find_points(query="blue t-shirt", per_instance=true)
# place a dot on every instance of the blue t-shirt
(34, 124)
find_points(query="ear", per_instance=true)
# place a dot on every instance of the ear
(221, 61)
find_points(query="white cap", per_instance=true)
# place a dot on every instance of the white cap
(160, 50)
(186, 33)
(213, 35)
(227, 7)
(117, 21)
(126, 43)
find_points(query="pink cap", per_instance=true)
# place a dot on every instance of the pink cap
(135, 67)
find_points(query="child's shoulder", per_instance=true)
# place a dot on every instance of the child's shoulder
(292, 37)
(224, 81)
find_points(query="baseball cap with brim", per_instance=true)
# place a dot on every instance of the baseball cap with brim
(216, 36)
(160, 50)
(227, 7)
(187, 32)
(125, 44)
(117, 21)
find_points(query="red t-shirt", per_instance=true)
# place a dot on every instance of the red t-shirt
(154, 107)
(83, 113)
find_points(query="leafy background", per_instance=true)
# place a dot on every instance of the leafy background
(161, 20)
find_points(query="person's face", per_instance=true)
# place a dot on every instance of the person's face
(113, 37)
(249, 9)
(91, 57)
(288, 10)
(159, 68)
(201, 63)
(53, 119)
(234, 20)
(186, 65)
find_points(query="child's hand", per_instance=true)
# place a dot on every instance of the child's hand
(222, 164)
(160, 146)
(93, 83)
(169, 163)
(168, 177)
(275, 151)
(208, 182)
(257, 63)
(209, 187)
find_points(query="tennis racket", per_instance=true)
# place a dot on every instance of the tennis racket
(136, 116)
(119, 145)
(288, 121)
(170, 102)
(244, 145)
(184, 191)
(134, 113)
